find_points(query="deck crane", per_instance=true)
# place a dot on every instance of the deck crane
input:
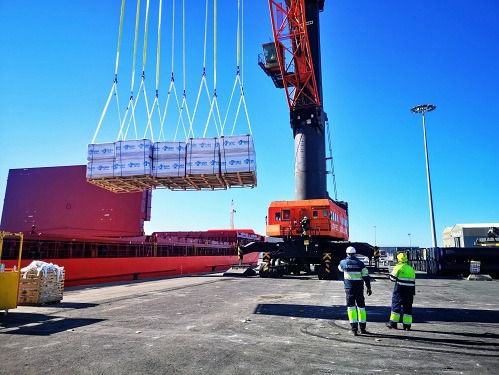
(310, 233)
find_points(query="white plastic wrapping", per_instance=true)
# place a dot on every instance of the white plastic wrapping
(42, 267)
(100, 169)
(239, 162)
(133, 148)
(168, 168)
(237, 143)
(201, 146)
(207, 164)
(169, 150)
(138, 166)
(99, 151)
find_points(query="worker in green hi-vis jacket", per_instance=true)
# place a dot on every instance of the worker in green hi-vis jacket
(404, 277)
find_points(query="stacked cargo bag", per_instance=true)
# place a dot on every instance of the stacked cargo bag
(40, 283)
(133, 158)
(168, 166)
(203, 163)
(238, 160)
(101, 157)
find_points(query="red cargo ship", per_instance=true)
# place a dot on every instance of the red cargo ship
(98, 236)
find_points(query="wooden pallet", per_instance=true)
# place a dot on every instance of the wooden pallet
(130, 184)
(206, 181)
(174, 183)
(190, 182)
(36, 289)
(240, 179)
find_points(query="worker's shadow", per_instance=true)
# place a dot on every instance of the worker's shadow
(486, 341)
(381, 313)
(17, 323)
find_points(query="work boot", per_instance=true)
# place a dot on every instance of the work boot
(391, 325)
(407, 327)
(363, 329)
(355, 333)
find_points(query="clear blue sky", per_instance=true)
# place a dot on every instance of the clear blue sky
(379, 59)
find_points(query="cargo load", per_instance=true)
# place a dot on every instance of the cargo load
(199, 163)
(100, 151)
(133, 148)
(238, 160)
(100, 168)
(40, 283)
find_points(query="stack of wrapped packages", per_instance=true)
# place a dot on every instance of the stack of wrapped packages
(203, 156)
(119, 159)
(238, 157)
(101, 159)
(199, 163)
(133, 158)
(169, 160)
(41, 282)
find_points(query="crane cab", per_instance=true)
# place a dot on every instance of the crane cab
(326, 218)
(269, 62)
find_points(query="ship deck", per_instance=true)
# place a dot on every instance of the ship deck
(221, 325)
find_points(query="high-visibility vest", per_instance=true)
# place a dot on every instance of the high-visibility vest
(404, 276)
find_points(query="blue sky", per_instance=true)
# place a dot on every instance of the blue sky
(379, 59)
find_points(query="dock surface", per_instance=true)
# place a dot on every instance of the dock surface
(222, 325)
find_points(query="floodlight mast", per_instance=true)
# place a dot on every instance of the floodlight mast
(422, 109)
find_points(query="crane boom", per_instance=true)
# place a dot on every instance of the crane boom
(296, 65)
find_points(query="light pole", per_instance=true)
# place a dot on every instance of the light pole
(410, 243)
(423, 108)
(375, 235)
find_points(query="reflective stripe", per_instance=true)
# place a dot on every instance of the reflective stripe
(407, 319)
(362, 314)
(352, 314)
(364, 272)
(407, 279)
(394, 317)
(352, 275)
(405, 284)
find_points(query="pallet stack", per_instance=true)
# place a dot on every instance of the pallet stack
(41, 284)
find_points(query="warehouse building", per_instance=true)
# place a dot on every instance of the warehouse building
(465, 235)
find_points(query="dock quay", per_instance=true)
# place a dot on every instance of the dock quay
(212, 324)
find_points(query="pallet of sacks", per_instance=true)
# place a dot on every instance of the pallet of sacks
(41, 283)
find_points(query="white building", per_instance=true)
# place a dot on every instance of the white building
(465, 235)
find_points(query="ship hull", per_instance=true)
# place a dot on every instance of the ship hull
(87, 271)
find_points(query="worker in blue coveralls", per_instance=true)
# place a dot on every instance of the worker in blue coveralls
(404, 277)
(355, 274)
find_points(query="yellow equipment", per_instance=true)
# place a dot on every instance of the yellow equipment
(9, 277)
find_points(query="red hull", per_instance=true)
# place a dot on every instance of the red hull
(84, 271)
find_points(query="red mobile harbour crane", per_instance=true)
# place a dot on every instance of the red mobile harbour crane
(310, 233)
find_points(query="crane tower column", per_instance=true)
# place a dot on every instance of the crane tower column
(308, 122)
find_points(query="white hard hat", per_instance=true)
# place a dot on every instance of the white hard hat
(351, 250)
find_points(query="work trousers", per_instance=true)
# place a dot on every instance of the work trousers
(402, 306)
(356, 307)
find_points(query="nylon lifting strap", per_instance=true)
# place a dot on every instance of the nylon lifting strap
(203, 83)
(214, 101)
(172, 88)
(184, 104)
(155, 103)
(142, 87)
(115, 82)
(132, 81)
(239, 69)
